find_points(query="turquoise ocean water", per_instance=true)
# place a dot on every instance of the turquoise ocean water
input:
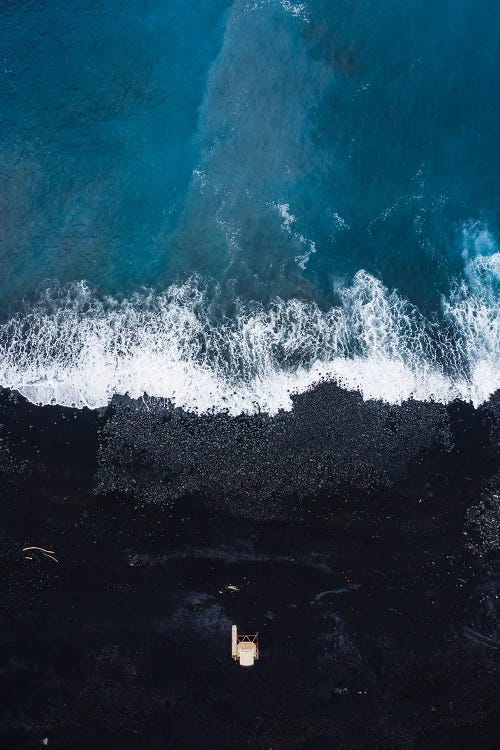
(222, 202)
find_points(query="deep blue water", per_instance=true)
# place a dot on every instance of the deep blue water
(318, 181)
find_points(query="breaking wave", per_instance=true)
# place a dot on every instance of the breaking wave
(76, 349)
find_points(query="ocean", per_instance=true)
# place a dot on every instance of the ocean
(222, 203)
(249, 374)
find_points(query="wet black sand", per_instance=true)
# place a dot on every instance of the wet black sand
(362, 539)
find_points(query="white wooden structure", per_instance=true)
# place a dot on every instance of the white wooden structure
(244, 648)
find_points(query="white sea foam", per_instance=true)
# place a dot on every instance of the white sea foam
(76, 349)
(299, 10)
(287, 220)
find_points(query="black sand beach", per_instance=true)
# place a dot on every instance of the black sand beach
(361, 538)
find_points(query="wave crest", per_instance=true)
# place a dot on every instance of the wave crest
(76, 349)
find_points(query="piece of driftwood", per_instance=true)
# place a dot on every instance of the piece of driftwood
(41, 549)
(45, 552)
